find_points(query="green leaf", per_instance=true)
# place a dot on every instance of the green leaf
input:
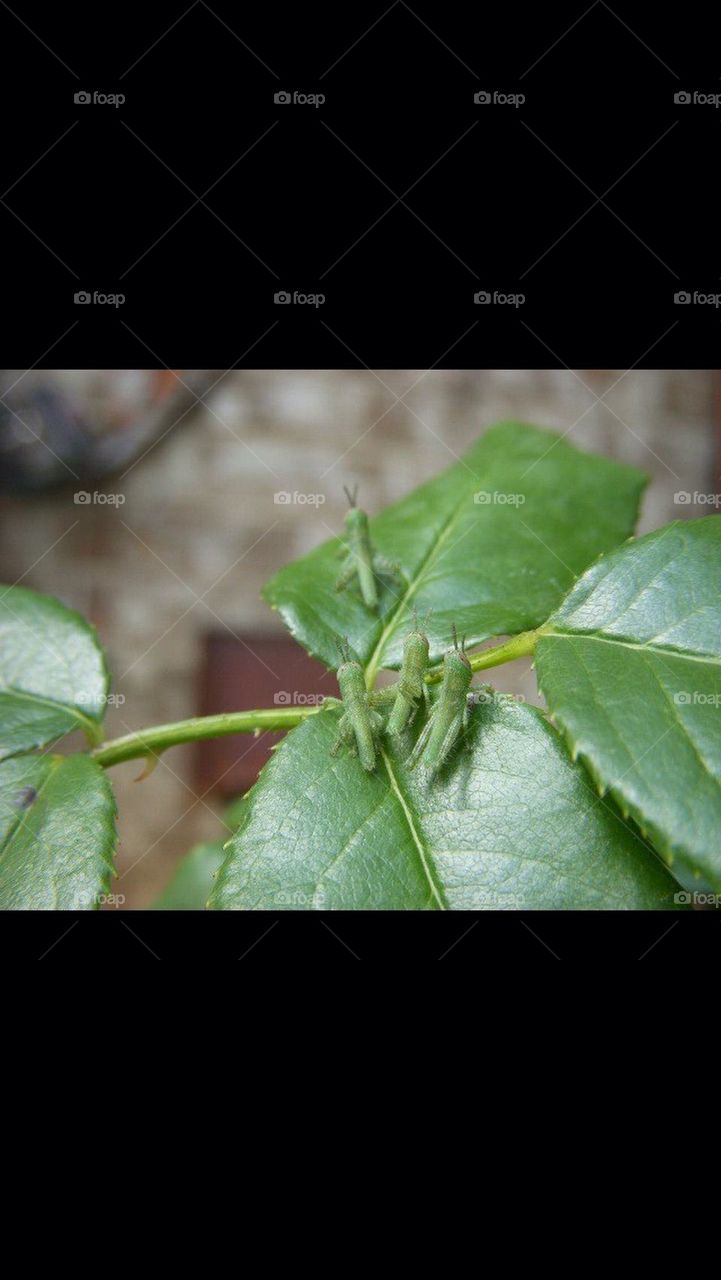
(510, 823)
(492, 567)
(193, 880)
(630, 666)
(57, 833)
(53, 675)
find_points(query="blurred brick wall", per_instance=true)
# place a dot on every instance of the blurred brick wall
(202, 501)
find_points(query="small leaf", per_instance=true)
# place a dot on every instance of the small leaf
(509, 823)
(53, 675)
(492, 545)
(193, 880)
(189, 888)
(630, 666)
(57, 833)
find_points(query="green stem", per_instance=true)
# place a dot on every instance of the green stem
(150, 742)
(519, 646)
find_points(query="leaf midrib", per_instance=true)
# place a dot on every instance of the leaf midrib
(91, 727)
(6, 846)
(647, 647)
(376, 657)
(435, 888)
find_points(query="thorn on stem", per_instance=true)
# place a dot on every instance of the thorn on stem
(150, 764)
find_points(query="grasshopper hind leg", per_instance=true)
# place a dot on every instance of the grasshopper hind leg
(345, 737)
(449, 741)
(422, 742)
(386, 568)
(346, 575)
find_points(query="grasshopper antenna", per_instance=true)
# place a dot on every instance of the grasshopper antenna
(352, 497)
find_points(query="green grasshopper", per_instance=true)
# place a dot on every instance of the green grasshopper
(360, 725)
(410, 687)
(449, 714)
(361, 559)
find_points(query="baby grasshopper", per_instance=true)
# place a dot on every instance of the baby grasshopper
(449, 714)
(360, 725)
(410, 687)
(361, 559)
